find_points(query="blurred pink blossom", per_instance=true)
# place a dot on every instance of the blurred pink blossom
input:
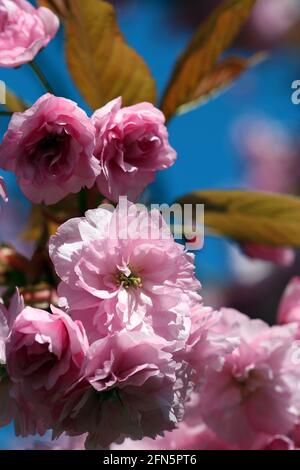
(256, 392)
(271, 152)
(24, 31)
(272, 155)
(279, 255)
(279, 443)
(273, 19)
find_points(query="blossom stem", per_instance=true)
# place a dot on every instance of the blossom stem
(82, 201)
(41, 77)
(3, 373)
(6, 113)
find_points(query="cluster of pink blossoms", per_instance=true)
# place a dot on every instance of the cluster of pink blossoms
(232, 384)
(130, 358)
(131, 343)
(252, 401)
(55, 149)
(133, 347)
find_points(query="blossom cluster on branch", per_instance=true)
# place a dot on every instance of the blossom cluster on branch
(129, 355)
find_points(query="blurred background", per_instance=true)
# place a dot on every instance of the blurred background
(247, 137)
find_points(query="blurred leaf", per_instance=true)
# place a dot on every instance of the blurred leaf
(102, 65)
(248, 216)
(14, 103)
(35, 226)
(218, 79)
(39, 226)
(212, 38)
(60, 7)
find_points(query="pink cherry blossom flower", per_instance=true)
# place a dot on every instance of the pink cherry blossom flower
(50, 149)
(131, 387)
(192, 433)
(282, 256)
(207, 346)
(279, 443)
(44, 354)
(131, 145)
(273, 19)
(256, 392)
(289, 308)
(271, 152)
(295, 436)
(24, 31)
(114, 275)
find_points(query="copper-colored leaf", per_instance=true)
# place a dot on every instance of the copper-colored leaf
(212, 38)
(14, 103)
(218, 79)
(248, 216)
(39, 225)
(102, 65)
(35, 226)
(60, 7)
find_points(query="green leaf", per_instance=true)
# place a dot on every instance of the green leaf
(213, 37)
(249, 216)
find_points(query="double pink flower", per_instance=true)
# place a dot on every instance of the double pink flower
(131, 146)
(50, 149)
(123, 360)
(125, 280)
(41, 358)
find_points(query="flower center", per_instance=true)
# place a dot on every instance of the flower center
(48, 157)
(249, 383)
(52, 143)
(129, 281)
